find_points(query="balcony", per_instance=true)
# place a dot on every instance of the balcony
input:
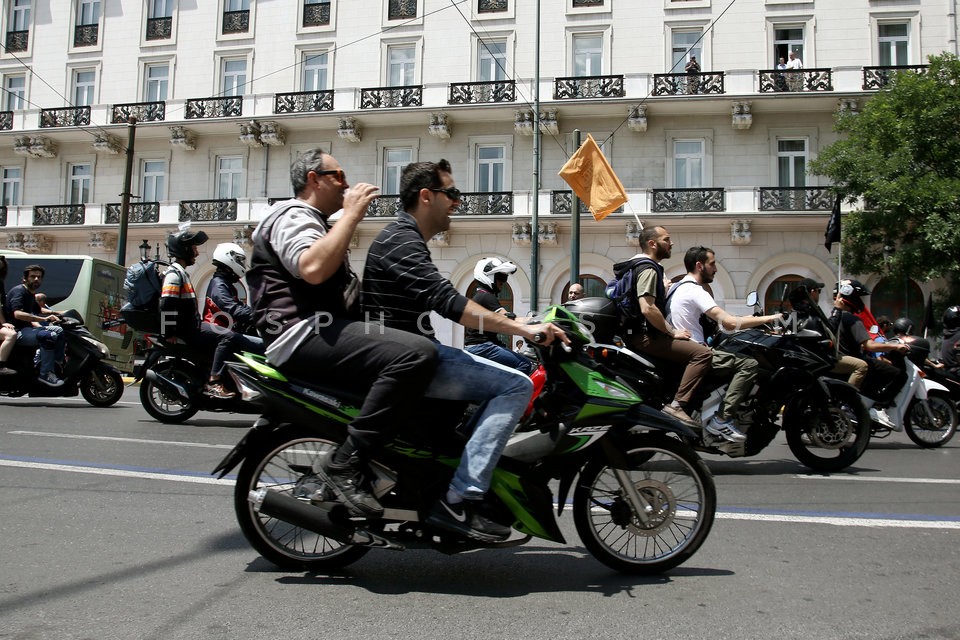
(481, 92)
(85, 35)
(495, 203)
(139, 213)
(384, 207)
(795, 80)
(876, 78)
(303, 101)
(142, 111)
(492, 6)
(588, 87)
(795, 199)
(688, 84)
(236, 22)
(401, 9)
(64, 117)
(208, 210)
(17, 41)
(58, 214)
(561, 204)
(217, 107)
(6, 120)
(316, 15)
(388, 97)
(688, 200)
(159, 28)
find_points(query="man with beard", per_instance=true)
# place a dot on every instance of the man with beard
(34, 327)
(687, 302)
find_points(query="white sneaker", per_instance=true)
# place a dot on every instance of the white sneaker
(726, 429)
(51, 380)
(880, 415)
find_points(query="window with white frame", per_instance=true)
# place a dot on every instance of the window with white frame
(229, 177)
(587, 55)
(491, 60)
(237, 5)
(88, 12)
(685, 44)
(491, 165)
(12, 186)
(15, 92)
(153, 180)
(316, 69)
(401, 65)
(394, 160)
(84, 87)
(894, 42)
(688, 162)
(156, 81)
(160, 9)
(81, 182)
(20, 15)
(785, 40)
(234, 80)
(792, 162)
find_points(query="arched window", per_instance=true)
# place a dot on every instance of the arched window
(896, 298)
(593, 287)
(777, 292)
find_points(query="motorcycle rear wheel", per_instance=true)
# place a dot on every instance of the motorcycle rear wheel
(940, 432)
(101, 387)
(828, 445)
(683, 497)
(277, 465)
(168, 408)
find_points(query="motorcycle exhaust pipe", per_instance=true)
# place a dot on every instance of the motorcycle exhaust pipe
(167, 385)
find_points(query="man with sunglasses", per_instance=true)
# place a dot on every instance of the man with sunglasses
(306, 310)
(402, 286)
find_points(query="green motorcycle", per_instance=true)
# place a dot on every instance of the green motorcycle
(643, 501)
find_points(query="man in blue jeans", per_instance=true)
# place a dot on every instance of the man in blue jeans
(34, 328)
(401, 286)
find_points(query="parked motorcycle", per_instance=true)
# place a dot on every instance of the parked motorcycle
(643, 501)
(84, 370)
(827, 426)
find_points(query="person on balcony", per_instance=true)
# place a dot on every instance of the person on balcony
(693, 70)
(795, 80)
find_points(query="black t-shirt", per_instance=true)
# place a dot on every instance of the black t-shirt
(949, 348)
(20, 299)
(850, 331)
(487, 299)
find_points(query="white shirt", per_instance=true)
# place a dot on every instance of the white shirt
(794, 63)
(686, 304)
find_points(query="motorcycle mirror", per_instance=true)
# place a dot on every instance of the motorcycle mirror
(752, 299)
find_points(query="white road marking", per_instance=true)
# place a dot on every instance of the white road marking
(74, 436)
(123, 473)
(880, 479)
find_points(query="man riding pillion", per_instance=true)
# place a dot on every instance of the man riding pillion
(402, 286)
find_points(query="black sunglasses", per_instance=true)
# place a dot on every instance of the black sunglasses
(451, 192)
(341, 176)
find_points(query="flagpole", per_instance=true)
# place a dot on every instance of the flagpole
(535, 209)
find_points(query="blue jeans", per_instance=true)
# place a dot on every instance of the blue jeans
(497, 353)
(502, 393)
(49, 356)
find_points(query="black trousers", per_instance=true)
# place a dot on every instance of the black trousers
(392, 367)
(883, 380)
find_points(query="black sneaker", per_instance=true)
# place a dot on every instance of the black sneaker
(463, 518)
(348, 483)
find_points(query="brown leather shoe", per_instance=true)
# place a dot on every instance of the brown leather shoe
(679, 414)
(216, 390)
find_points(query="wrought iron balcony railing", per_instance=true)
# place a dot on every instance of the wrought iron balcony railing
(476, 92)
(401, 9)
(3, 215)
(587, 3)
(64, 117)
(561, 203)
(303, 101)
(17, 41)
(795, 80)
(51, 214)
(688, 84)
(208, 210)
(217, 107)
(142, 111)
(385, 207)
(316, 15)
(6, 120)
(492, 6)
(487, 203)
(876, 78)
(588, 87)
(683, 200)
(386, 97)
(796, 199)
(236, 21)
(159, 28)
(85, 35)
(139, 212)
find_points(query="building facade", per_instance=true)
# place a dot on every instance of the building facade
(226, 93)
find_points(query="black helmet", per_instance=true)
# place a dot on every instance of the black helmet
(903, 326)
(851, 291)
(951, 318)
(181, 241)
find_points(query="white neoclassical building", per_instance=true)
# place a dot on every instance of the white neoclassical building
(226, 93)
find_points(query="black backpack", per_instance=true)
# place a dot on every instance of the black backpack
(143, 285)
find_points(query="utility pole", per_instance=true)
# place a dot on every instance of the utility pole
(575, 225)
(125, 201)
(535, 209)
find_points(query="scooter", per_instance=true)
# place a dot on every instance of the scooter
(83, 371)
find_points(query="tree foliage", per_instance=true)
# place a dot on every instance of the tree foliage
(901, 155)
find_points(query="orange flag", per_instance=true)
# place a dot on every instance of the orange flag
(592, 178)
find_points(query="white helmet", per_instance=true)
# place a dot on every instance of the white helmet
(230, 256)
(487, 268)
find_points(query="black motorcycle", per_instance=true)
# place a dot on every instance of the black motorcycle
(84, 371)
(827, 426)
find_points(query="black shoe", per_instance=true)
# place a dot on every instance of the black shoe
(463, 518)
(347, 482)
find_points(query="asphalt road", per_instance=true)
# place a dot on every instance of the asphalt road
(111, 527)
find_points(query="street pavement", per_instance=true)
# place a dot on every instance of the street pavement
(112, 527)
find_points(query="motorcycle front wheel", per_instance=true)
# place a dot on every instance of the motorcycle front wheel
(168, 407)
(682, 499)
(938, 432)
(281, 464)
(101, 387)
(828, 440)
